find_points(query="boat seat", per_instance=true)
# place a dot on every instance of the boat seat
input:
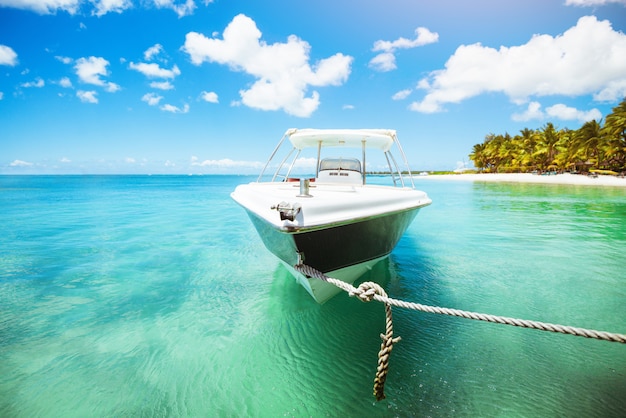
(339, 170)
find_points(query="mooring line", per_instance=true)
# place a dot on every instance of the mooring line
(368, 291)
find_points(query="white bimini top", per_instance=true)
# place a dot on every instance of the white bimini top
(381, 139)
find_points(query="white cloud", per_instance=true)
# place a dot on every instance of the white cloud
(44, 6)
(38, 83)
(7, 56)
(426, 106)
(348, 107)
(152, 70)
(386, 60)
(225, 163)
(182, 9)
(593, 2)
(87, 96)
(558, 111)
(282, 70)
(105, 6)
(153, 51)
(402, 94)
(65, 82)
(563, 112)
(614, 91)
(162, 85)
(151, 98)
(423, 37)
(89, 71)
(532, 112)
(209, 96)
(130, 160)
(101, 7)
(64, 60)
(332, 71)
(586, 59)
(112, 87)
(174, 109)
(65, 160)
(20, 163)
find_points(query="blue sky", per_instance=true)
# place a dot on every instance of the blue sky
(192, 86)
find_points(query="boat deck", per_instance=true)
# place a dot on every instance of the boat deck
(327, 202)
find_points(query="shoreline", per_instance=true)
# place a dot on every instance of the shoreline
(564, 179)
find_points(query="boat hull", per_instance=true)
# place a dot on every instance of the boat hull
(343, 251)
(335, 222)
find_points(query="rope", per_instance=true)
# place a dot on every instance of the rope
(369, 291)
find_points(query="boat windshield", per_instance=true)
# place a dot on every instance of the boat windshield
(340, 164)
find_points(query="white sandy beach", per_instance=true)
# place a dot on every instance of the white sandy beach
(572, 179)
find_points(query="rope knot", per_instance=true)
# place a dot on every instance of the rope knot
(367, 290)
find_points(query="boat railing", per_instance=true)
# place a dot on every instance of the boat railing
(395, 176)
(267, 163)
(285, 168)
(404, 160)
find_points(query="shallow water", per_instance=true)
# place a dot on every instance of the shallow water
(153, 296)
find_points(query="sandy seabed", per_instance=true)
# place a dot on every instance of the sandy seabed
(573, 179)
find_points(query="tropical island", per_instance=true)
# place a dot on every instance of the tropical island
(594, 155)
(595, 148)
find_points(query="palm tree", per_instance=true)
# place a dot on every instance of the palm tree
(528, 143)
(548, 137)
(590, 137)
(506, 153)
(614, 131)
(616, 122)
(492, 155)
(567, 152)
(478, 156)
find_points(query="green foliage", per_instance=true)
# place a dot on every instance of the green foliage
(593, 146)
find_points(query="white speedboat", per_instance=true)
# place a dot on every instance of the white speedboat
(331, 220)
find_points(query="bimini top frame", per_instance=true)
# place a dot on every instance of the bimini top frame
(380, 139)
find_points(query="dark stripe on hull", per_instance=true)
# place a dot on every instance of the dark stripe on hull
(340, 246)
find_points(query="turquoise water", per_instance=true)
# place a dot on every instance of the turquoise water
(153, 296)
